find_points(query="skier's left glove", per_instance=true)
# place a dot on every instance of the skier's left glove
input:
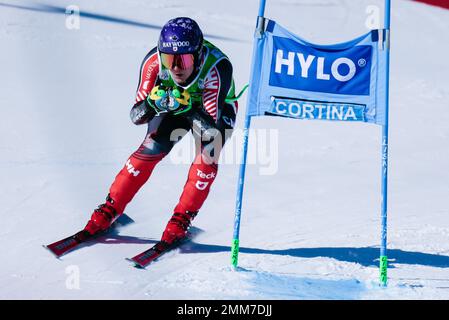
(166, 99)
(202, 124)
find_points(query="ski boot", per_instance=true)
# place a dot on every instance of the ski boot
(103, 217)
(178, 226)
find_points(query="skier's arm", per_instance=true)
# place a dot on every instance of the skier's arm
(141, 112)
(212, 114)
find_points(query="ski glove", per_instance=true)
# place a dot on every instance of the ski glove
(141, 113)
(166, 99)
(202, 124)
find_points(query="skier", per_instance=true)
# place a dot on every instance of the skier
(185, 83)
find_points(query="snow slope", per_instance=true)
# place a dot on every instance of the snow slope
(309, 231)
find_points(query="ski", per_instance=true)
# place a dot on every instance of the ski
(142, 260)
(145, 258)
(61, 247)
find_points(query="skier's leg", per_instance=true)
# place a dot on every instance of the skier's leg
(136, 171)
(199, 181)
(202, 174)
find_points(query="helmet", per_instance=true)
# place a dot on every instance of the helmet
(180, 35)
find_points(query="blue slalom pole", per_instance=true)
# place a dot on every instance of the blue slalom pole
(383, 245)
(238, 205)
(262, 8)
(241, 181)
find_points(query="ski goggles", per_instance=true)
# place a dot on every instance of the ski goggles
(183, 61)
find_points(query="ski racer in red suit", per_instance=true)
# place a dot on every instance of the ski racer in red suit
(184, 83)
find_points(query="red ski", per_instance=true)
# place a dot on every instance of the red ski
(143, 259)
(63, 246)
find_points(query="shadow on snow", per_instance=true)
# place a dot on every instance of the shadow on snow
(366, 256)
(45, 8)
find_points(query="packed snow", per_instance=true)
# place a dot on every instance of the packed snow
(310, 224)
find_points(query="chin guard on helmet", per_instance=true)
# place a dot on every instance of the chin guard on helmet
(166, 99)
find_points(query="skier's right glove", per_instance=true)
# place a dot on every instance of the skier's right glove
(141, 113)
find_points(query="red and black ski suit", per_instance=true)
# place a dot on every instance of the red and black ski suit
(213, 113)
